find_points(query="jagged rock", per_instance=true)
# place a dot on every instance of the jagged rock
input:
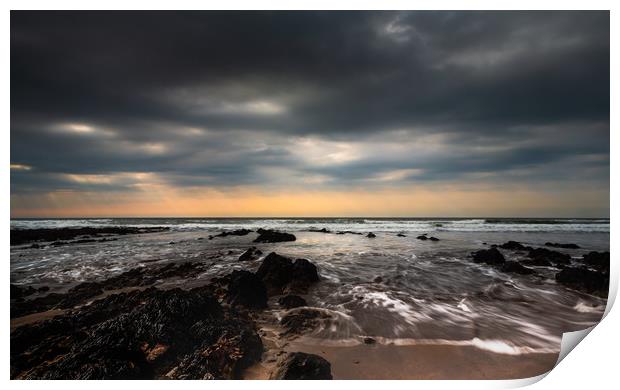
(303, 366)
(488, 256)
(597, 260)
(246, 289)
(292, 301)
(24, 236)
(265, 235)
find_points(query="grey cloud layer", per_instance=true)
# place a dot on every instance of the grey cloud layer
(255, 98)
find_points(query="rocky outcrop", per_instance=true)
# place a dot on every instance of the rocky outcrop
(280, 273)
(513, 245)
(246, 289)
(265, 235)
(25, 236)
(302, 366)
(556, 258)
(597, 260)
(489, 256)
(137, 277)
(145, 334)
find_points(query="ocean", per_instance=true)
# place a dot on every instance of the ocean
(398, 290)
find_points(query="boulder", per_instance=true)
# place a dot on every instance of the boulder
(302, 366)
(278, 272)
(488, 256)
(265, 235)
(292, 301)
(597, 260)
(246, 289)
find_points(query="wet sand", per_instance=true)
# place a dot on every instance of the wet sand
(418, 362)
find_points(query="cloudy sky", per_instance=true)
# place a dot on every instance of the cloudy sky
(310, 113)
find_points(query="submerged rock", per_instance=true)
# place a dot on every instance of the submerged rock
(301, 320)
(251, 254)
(513, 245)
(303, 366)
(565, 246)
(488, 256)
(145, 334)
(292, 301)
(246, 289)
(371, 235)
(515, 267)
(265, 235)
(238, 232)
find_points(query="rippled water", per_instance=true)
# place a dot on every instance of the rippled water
(395, 289)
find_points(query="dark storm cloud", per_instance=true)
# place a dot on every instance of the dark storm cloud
(227, 98)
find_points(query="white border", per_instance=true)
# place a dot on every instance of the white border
(592, 365)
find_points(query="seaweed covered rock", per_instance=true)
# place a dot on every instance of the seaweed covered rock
(304, 366)
(266, 235)
(488, 256)
(145, 334)
(279, 272)
(246, 289)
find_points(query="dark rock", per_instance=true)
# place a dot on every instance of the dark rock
(513, 245)
(137, 277)
(565, 246)
(145, 334)
(246, 289)
(265, 235)
(515, 267)
(433, 238)
(303, 366)
(584, 279)
(546, 254)
(371, 235)
(597, 260)
(378, 279)
(278, 272)
(251, 254)
(422, 237)
(238, 232)
(292, 301)
(539, 262)
(401, 235)
(350, 232)
(369, 340)
(18, 292)
(488, 256)
(24, 236)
